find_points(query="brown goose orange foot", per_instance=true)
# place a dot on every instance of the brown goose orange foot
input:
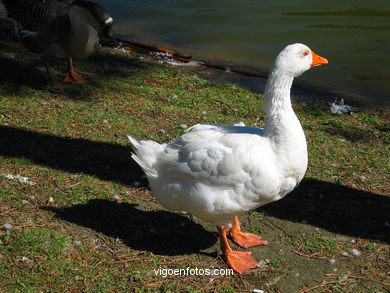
(239, 261)
(244, 239)
(72, 76)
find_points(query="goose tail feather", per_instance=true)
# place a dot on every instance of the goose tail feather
(146, 154)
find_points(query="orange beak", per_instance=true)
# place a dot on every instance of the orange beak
(318, 60)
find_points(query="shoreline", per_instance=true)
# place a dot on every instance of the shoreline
(221, 71)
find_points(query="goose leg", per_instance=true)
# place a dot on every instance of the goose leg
(72, 76)
(239, 261)
(53, 81)
(244, 239)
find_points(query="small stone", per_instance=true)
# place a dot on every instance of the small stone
(77, 242)
(257, 291)
(263, 264)
(343, 278)
(116, 197)
(356, 252)
(50, 200)
(105, 121)
(7, 226)
(25, 259)
(375, 244)
(345, 253)
(204, 112)
(334, 165)
(184, 126)
(332, 261)
(362, 178)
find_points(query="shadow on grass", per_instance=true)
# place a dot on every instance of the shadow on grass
(355, 134)
(16, 74)
(336, 208)
(160, 232)
(326, 205)
(106, 161)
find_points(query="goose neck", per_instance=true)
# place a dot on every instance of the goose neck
(277, 93)
(80, 17)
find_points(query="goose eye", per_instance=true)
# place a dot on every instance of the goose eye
(305, 53)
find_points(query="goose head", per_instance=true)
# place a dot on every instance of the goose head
(297, 58)
(93, 14)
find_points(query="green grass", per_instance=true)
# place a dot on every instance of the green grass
(318, 243)
(72, 144)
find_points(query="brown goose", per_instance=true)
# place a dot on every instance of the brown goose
(49, 26)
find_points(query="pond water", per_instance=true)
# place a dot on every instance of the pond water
(353, 34)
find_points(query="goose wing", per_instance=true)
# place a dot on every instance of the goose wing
(36, 15)
(222, 156)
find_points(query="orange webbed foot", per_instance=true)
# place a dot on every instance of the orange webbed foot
(244, 239)
(73, 77)
(240, 261)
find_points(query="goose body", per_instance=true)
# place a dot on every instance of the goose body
(220, 172)
(215, 172)
(52, 26)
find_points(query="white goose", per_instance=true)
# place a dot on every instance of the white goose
(69, 25)
(219, 172)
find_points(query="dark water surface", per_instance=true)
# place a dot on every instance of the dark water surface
(353, 34)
